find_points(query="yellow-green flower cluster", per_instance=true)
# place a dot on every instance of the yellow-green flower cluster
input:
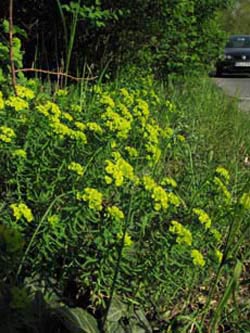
(116, 213)
(21, 210)
(94, 127)
(154, 153)
(181, 137)
(149, 183)
(24, 92)
(119, 170)
(6, 134)
(97, 89)
(76, 108)
(222, 187)
(53, 220)
(1, 101)
(17, 103)
(116, 123)
(93, 197)
(169, 181)
(131, 151)
(219, 255)
(141, 111)
(49, 109)
(61, 93)
(81, 126)
(67, 116)
(221, 171)
(127, 239)
(174, 199)
(20, 153)
(167, 132)
(216, 234)
(127, 97)
(53, 113)
(170, 106)
(124, 111)
(161, 198)
(108, 101)
(245, 201)
(155, 97)
(198, 258)
(152, 133)
(203, 217)
(77, 168)
(184, 236)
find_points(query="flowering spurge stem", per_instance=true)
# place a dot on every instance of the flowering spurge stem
(37, 230)
(117, 268)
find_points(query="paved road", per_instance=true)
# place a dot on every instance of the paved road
(238, 87)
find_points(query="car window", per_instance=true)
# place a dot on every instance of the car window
(239, 42)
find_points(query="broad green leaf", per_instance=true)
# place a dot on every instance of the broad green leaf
(143, 320)
(116, 310)
(77, 320)
(114, 327)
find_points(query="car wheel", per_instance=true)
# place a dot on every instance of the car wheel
(219, 71)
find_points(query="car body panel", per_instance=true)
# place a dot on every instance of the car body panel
(236, 57)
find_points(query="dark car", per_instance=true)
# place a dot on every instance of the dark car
(236, 57)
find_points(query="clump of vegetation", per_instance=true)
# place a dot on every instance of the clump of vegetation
(124, 204)
(88, 36)
(100, 201)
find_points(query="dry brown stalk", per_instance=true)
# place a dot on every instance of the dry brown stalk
(55, 73)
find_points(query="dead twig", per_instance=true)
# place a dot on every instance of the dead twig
(55, 73)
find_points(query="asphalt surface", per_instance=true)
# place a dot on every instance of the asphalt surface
(236, 86)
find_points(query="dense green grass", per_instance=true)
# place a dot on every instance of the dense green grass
(219, 130)
(219, 134)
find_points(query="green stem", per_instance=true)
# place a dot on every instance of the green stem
(117, 269)
(233, 229)
(37, 230)
(63, 23)
(72, 38)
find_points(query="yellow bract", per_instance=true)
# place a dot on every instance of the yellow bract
(116, 123)
(6, 134)
(218, 255)
(24, 92)
(224, 190)
(184, 236)
(127, 239)
(221, 171)
(119, 171)
(245, 201)
(21, 210)
(94, 127)
(116, 213)
(17, 103)
(203, 217)
(93, 197)
(20, 153)
(77, 168)
(198, 258)
(1, 101)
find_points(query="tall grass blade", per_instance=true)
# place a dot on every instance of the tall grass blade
(233, 283)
